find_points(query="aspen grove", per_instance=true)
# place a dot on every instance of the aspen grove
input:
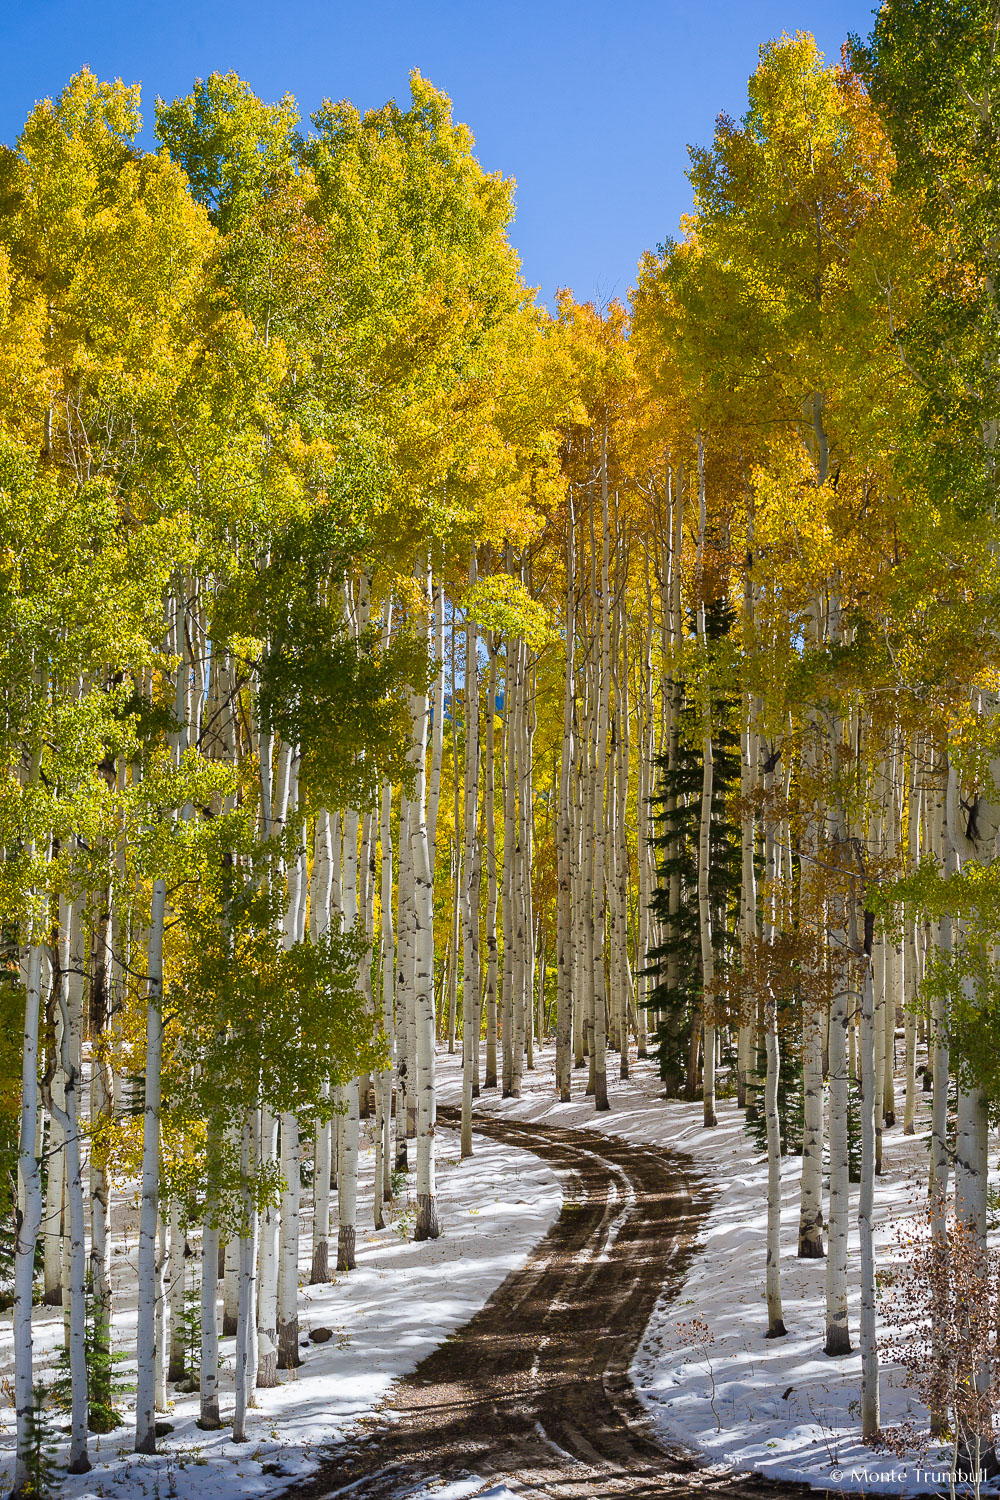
(391, 667)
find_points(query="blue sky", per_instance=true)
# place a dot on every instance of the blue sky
(589, 104)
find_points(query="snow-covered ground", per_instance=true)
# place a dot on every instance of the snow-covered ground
(399, 1304)
(777, 1406)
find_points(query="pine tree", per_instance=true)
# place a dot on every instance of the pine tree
(676, 965)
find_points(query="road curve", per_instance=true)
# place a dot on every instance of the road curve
(534, 1391)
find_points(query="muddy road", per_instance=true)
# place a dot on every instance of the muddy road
(533, 1393)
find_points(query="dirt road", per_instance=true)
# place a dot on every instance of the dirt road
(534, 1391)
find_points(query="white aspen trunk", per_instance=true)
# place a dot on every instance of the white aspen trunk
(810, 1242)
(267, 1292)
(747, 1041)
(705, 930)
(775, 1318)
(347, 1180)
(209, 1419)
(175, 1295)
(287, 1320)
(458, 882)
(319, 927)
(600, 891)
(287, 1314)
(160, 1324)
(564, 935)
(427, 1226)
(910, 938)
(645, 874)
(388, 993)
(347, 1165)
(880, 966)
(583, 947)
(246, 1358)
(470, 882)
(67, 1114)
(940, 1163)
(145, 1401)
(705, 838)
(437, 721)
(866, 1202)
(366, 885)
(507, 997)
(405, 1068)
(626, 988)
(30, 1216)
(323, 1161)
(520, 878)
(588, 840)
(893, 957)
(838, 1338)
(526, 949)
(52, 1227)
(489, 814)
(230, 1287)
(973, 836)
(101, 1104)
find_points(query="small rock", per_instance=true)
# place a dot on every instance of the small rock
(321, 1335)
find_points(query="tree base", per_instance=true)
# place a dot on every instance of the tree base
(267, 1368)
(838, 1342)
(80, 1466)
(288, 1345)
(427, 1226)
(228, 1325)
(320, 1263)
(811, 1247)
(777, 1331)
(346, 1260)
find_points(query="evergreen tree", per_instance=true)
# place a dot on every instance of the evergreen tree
(676, 965)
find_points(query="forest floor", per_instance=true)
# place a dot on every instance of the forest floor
(704, 1369)
(400, 1303)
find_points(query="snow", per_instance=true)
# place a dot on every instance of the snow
(400, 1303)
(780, 1407)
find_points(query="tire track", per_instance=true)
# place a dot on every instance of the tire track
(534, 1391)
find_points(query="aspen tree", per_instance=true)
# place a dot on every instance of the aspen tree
(427, 1225)
(704, 858)
(489, 804)
(599, 898)
(869, 1042)
(837, 1333)
(565, 932)
(775, 1319)
(145, 1414)
(470, 869)
(383, 1189)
